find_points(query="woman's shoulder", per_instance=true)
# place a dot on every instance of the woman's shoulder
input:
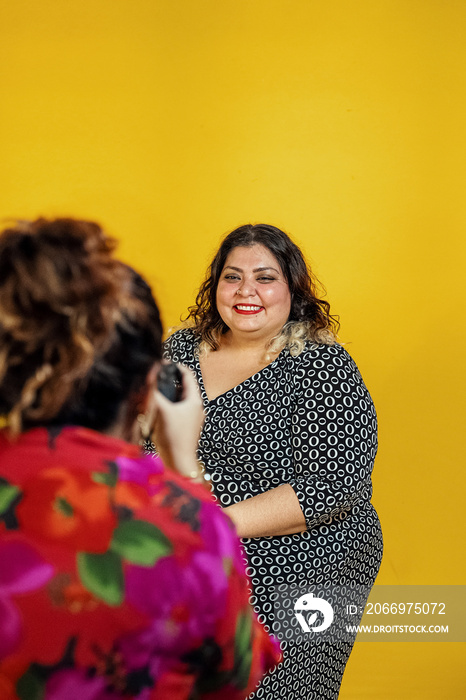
(323, 356)
(326, 364)
(120, 482)
(324, 351)
(180, 345)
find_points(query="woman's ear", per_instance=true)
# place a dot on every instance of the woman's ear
(147, 404)
(151, 379)
(143, 405)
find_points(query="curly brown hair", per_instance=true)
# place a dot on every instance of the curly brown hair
(310, 316)
(79, 330)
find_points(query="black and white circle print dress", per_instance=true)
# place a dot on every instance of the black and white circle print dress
(308, 421)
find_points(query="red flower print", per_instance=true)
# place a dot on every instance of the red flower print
(69, 507)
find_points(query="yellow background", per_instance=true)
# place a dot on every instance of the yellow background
(174, 121)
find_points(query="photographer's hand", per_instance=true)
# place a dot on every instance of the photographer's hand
(177, 426)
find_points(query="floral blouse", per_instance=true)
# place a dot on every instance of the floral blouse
(118, 579)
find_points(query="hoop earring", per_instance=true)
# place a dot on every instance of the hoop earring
(4, 421)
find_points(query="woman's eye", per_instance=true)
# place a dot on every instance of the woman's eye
(231, 277)
(266, 279)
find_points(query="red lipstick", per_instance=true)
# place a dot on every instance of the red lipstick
(251, 310)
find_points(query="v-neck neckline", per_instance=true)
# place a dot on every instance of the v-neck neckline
(204, 395)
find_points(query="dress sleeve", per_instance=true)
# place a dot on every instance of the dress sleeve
(334, 435)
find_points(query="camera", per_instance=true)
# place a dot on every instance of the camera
(170, 382)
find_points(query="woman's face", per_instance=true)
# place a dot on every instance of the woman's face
(253, 297)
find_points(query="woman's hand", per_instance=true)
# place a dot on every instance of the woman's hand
(177, 426)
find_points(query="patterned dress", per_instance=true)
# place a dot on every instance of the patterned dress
(118, 579)
(308, 421)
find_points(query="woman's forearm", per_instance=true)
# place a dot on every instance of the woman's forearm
(275, 512)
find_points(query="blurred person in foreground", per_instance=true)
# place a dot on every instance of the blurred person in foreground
(118, 578)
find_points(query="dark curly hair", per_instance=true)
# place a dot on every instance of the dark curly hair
(309, 317)
(79, 330)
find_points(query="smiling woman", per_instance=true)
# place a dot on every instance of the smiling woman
(252, 285)
(289, 441)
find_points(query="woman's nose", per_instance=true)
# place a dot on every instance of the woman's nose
(246, 289)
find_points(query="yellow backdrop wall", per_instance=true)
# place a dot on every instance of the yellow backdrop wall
(340, 121)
